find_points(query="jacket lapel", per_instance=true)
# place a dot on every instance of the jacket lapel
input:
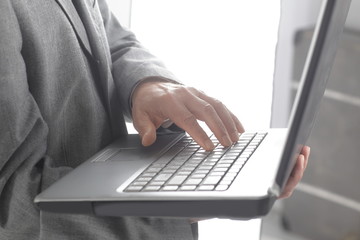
(71, 13)
(94, 27)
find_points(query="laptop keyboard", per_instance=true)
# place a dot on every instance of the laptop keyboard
(194, 169)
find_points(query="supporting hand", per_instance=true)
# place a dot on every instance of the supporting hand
(297, 172)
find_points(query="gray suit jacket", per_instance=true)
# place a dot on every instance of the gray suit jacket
(66, 74)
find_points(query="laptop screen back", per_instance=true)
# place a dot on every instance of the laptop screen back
(313, 82)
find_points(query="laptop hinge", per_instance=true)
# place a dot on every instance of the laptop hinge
(275, 190)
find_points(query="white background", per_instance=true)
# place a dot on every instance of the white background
(224, 47)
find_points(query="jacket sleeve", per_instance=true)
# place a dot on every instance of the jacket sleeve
(131, 61)
(23, 132)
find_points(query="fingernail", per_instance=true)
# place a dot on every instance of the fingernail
(227, 141)
(235, 136)
(145, 139)
(209, 145)
(303, 162)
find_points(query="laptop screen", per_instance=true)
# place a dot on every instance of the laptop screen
(316, 72)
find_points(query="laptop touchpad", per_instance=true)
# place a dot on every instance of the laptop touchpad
(132, 154)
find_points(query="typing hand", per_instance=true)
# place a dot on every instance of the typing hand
(156, 101)
(297, 172)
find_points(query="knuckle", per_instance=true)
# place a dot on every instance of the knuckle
(181, 92)
(208, 109)
(190, 89)
(218, 103)
(189, 120)
(183, 88)
(168, 98)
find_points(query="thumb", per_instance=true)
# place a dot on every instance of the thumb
(146, 129)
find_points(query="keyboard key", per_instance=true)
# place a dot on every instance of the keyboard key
(143, 179)
(234, 170)
(177, 180)
(211, 160)
(188, 188)
(147, 174)
(170, 188)
(225, 182)
(219, 169)
(181, 158)
(153, 170)
(226, 161)
(157, 183)
(223, 165)
(184, 172)
(158, 165)
(192, 163)
(229, 174)
(198, 175)
(134, 188)
(204, 167)
(208, 163)
(216, 174)
(240, 164)
(163, 177)
(222, 187)
(248, 151)
(202, 171)
(215, 154)
(169, 171)
(193, 181)
(206, 187)
(172, 167)
(212, 180)
(139, 183)
(246, 155)
(241, 159)
(231, 158)
(228, 178)
(187, 168)
(152, 188)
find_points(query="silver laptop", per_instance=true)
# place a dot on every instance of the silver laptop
(176, 178)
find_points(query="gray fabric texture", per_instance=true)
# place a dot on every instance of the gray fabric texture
(66, 75)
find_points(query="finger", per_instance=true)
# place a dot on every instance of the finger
(299, 167)
(295, 177)
(204, 111)
(286, 194)
(306, 152)
(183, 118)
(238, 124)
(225, 116)
(145, 127)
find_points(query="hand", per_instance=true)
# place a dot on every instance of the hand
(297, 172)
(156, 101)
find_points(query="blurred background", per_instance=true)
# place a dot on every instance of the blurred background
(250, 55)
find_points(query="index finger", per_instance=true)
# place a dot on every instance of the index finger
(186, 120)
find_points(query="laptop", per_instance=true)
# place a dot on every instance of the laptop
(176, 178)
